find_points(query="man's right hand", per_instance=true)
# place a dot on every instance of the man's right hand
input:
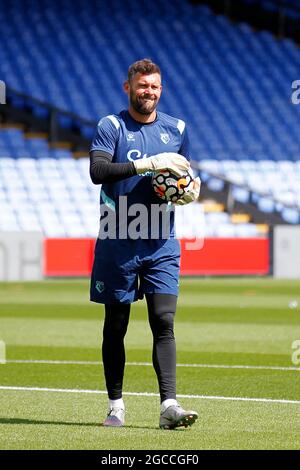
(173, 162)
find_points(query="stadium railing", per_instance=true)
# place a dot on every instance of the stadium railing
(39, 116)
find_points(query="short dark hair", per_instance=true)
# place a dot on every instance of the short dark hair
(144, 66)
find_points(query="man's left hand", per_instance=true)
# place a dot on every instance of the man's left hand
(190, 195)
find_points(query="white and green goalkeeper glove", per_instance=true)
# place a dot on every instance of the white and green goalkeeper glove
(191, 194)
(163, 161)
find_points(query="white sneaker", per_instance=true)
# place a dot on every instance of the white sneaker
(115, 417)
(175, 416)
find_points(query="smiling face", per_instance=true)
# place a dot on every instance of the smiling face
(144, 91)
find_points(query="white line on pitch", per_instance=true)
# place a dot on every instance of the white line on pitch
(146, 394)
(98, 363)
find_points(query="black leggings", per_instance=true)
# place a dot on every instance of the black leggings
(161, 312)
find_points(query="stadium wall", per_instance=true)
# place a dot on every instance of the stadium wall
(216, 256)
(27, 256)
(286, 249)
(21, 256)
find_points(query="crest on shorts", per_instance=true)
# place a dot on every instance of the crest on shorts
(165, 138)
(100, 286)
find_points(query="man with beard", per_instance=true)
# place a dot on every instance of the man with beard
(126, 150)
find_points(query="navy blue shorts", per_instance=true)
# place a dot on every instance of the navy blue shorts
(125, 270)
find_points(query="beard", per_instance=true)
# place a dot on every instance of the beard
(143, 104)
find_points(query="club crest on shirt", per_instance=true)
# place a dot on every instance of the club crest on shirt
(130, 137)
(165, 138)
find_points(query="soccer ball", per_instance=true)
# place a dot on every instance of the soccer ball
(170, 187)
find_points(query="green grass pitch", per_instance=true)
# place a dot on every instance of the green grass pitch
(234, 341)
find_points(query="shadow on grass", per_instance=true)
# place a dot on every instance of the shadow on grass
(64, 423)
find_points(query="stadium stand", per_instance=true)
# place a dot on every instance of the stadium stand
(36, 195)
(289, 7)
(54, 195)
(232, 86)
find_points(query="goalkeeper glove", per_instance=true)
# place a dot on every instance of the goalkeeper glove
(191, 194)
(163, 161)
